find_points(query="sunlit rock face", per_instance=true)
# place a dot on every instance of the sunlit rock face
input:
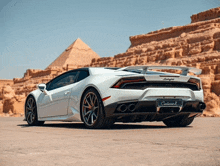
(11, 104)
(206, 15)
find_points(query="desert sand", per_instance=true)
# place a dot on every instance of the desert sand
(148, 143)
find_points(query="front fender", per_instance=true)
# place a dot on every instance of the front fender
(36, 93)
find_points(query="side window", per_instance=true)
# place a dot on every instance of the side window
(83, 74)
(63, 80)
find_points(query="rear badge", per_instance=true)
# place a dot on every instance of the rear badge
(168, 79)
(169, 103)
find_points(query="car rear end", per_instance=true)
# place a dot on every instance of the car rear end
(155, 96)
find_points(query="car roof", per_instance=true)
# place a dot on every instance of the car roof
(101, 70)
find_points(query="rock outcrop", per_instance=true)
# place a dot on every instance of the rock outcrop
(4, 82)
(206, 15)
(11, 103)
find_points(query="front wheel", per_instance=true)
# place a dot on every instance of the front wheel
(178, 123)
(92, 110)
(31, 112)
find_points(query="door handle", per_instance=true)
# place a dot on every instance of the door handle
(67, 92)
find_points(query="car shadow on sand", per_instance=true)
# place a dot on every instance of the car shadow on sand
(117, 126)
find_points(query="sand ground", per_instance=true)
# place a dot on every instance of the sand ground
(148, 143)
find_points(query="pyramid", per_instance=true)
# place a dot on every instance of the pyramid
(77, 54)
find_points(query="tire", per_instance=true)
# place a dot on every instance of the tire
(92, 110)
(109, 122)
(178, 123)
(31, 112)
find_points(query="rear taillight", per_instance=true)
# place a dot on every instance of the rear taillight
(195, 82)
(123, 81)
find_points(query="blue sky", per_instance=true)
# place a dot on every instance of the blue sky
(35, 32)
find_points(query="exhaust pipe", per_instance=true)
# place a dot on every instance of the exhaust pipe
(131, 107)
(202, 106)
(122, 108)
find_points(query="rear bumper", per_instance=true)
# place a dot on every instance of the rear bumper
(152, 108)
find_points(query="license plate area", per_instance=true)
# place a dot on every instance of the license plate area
(169, 103)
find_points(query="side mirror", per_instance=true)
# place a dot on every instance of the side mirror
(41, 87)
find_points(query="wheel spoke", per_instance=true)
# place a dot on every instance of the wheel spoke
(31, 102)
(92, 121)
(95, 100)
(87, 113)
(33, 117)
(28, 104)
(87, 102)
(89, 117)
(91, 100)
(95, 115)
(85, 106)
(28, 116)
(33, 108)
(28, 108)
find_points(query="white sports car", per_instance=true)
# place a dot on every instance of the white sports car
(99, 97)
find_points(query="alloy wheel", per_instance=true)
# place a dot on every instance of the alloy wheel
(90, 108)
(30, 110)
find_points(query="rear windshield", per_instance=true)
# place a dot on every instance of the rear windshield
(112, 68)
(134, 71)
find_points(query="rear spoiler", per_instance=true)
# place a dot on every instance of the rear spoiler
(185, 70)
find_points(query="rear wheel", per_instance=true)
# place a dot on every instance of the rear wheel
(178, 123)
(31, 112)
(92, 110)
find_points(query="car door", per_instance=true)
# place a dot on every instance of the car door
(74, 100)
(56, 102)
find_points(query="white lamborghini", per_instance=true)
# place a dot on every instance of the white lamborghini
(99, 97)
